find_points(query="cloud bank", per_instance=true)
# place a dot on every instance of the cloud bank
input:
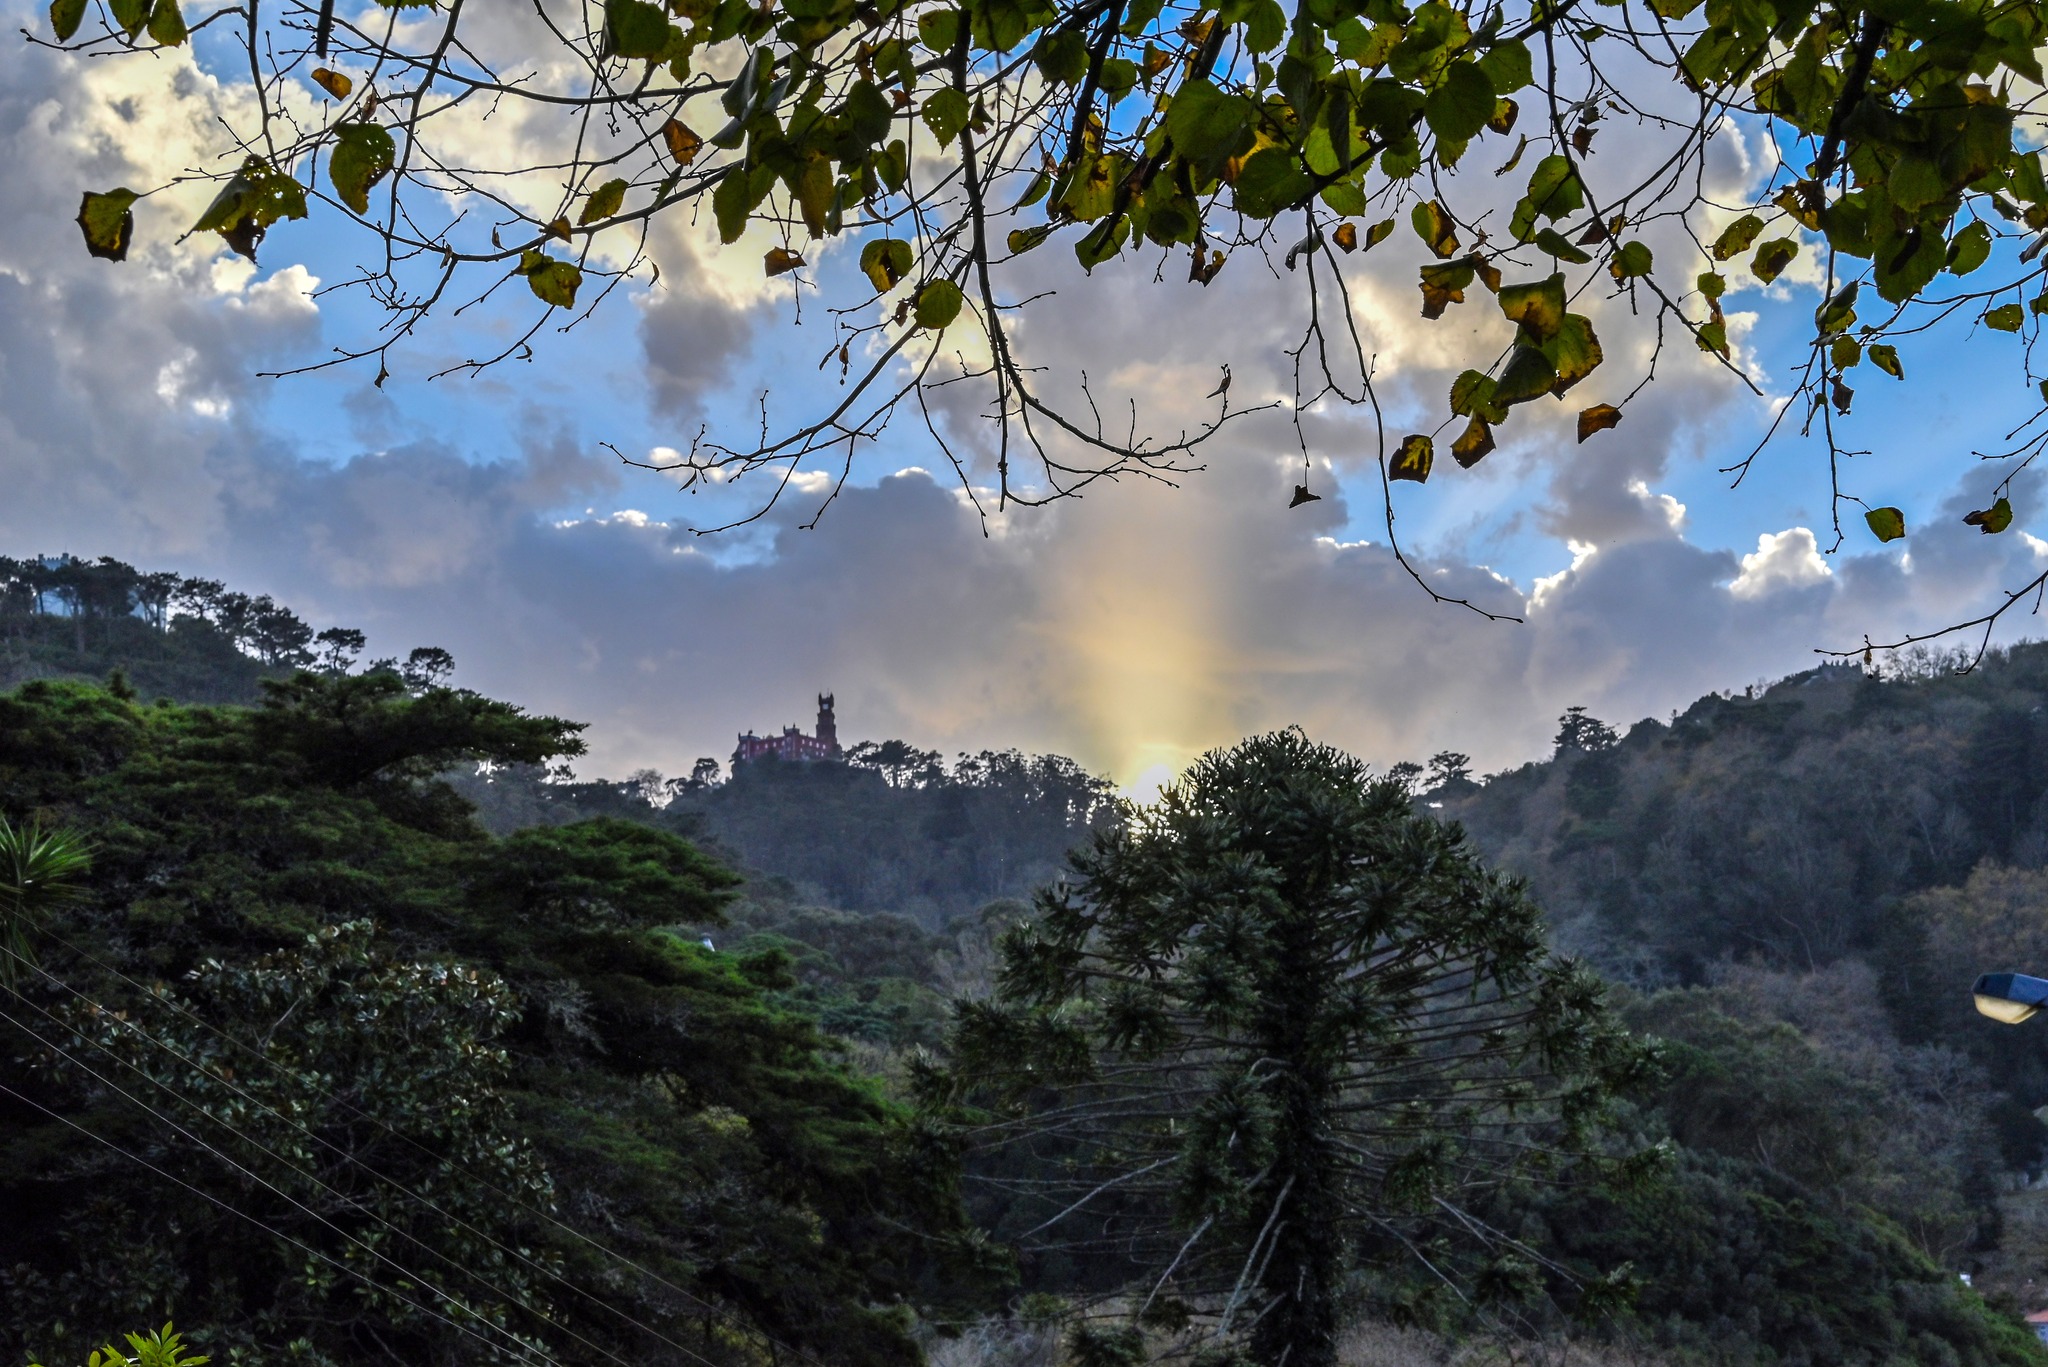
(1131, 629)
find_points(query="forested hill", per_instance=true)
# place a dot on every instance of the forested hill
(1779, 826)
(712, 1073)
(172, 636)
(896, 829)
(893, 829)
(1862, 844)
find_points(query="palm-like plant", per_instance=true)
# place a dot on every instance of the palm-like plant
(39, 870)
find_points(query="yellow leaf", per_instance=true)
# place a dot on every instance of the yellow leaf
(1346, 237)
(780, 260)
(683, 145)
(333, 82)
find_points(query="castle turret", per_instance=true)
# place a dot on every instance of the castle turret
(828, 727)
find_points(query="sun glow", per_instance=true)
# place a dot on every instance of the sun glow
(1141, 623)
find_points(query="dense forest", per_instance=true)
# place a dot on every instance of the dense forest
(891, 829)
(369, 1033)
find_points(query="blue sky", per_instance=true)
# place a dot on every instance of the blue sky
(1132, 630)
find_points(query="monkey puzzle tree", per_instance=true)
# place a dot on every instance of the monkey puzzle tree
(1892, 143)
(1268, 1040)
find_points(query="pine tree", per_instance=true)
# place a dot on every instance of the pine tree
(1272, 1033)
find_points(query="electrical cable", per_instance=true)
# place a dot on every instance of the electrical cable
(525, 1349)
(348, 1157)
(718, 1312)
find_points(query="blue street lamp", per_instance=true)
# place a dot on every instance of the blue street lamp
(2010, 997)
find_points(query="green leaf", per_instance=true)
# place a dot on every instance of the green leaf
(553, 282)
(1461, 104)
(1270, 181)
(938, 304)
(1473, 394)
(1839, 312)
(1632, 261)
(946, 113)
(1736, 237)
(1969, 248)
(1537, 308)
(2005, 318)
(810, 184)
(1507, 66)
(1207, 126)
(604, 201)
(638, 30)
(1063, 56)
(1712, 284)
(1885, 357)
(1022, 240)
(1119, 77)
(1574, 353)
(939, 30)
(167, 24)
(1473, 444)
(65, 17)
(1554, 191)
(252, 199)
(1104, 242)
(1412, 458)
(886, 261)
(130, 16)
(1434, 227)
(1345, 197)
(730, 204)
(1845, 352)
(1993, 520)
(363, 155)
(1529, 374)
(1378, 233)
(1556, 244)
(108, 221)
(1886, 524)
(1772, 257)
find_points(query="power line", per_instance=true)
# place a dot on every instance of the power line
(351, 1158)
(712, 1309)
(258, 1178)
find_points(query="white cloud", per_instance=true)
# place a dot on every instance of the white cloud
(1787, 559)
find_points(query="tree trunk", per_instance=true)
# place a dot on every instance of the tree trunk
(1298, 1323)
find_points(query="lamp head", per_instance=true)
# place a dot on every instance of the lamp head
(2010, 997)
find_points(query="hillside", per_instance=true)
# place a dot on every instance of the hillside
(186, 639)
(1790, 889)
(1776, 825)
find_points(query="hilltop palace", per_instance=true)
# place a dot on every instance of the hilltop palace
(793, 745)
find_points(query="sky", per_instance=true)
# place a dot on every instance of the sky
(491, 514)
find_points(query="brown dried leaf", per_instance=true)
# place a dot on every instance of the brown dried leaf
(1598, 418)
